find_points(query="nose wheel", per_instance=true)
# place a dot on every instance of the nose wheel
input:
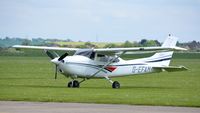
(73, 84)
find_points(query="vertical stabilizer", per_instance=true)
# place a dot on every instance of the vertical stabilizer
(164, 58)
(170, 41)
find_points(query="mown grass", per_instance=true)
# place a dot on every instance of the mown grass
(32, 79)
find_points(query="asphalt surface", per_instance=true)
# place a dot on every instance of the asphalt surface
(46, 107)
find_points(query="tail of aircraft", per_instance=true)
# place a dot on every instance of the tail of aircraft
(161, 60)
(164, 58)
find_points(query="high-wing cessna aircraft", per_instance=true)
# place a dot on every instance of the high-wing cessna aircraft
(106, 62)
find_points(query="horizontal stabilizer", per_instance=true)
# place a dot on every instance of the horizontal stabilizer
(171, 68)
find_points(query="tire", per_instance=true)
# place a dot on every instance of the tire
(70, 84)
(116, 85)
(75, 84)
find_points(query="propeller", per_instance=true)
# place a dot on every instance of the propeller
(49, 54)
(60, 59)
(55, 60)
(63, 56)
(52, 57)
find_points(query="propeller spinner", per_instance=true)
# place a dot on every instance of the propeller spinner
(56, 60)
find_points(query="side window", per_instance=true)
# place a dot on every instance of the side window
(105, 58)
(100, 57)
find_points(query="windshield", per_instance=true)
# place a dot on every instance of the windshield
(86, 52)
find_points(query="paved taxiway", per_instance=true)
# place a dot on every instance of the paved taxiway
(46, 107)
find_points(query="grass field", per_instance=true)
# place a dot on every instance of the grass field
(32, 79)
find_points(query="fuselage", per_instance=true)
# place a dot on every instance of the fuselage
(81, 66)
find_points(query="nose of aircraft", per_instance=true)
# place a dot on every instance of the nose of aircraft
(55, 61)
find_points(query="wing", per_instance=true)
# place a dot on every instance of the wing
(110, 51)
(105, 51)
(45, 48)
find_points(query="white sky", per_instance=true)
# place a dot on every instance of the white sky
(101, 20)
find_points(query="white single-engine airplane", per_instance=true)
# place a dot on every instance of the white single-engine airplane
(106, 62)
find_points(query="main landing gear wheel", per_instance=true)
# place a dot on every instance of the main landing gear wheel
(73, 84)
(116, 85)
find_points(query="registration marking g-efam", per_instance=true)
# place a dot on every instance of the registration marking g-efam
(141, 69)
